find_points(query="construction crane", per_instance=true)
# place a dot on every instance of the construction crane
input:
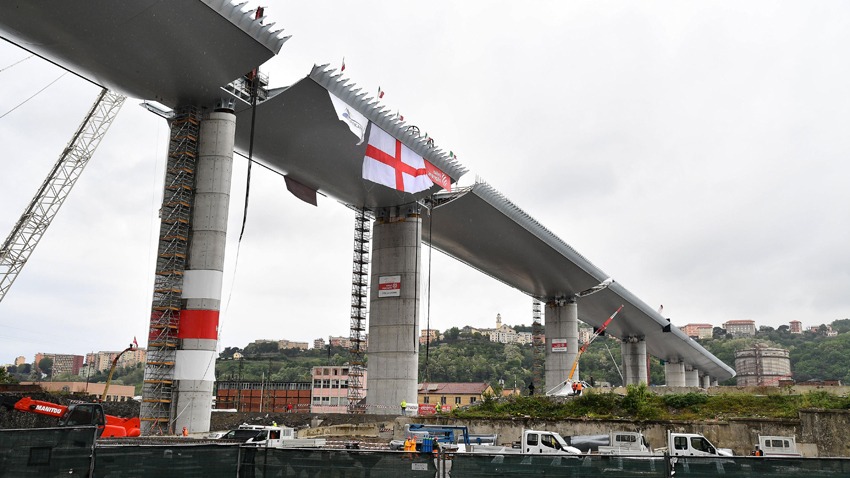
(564, 387)
(35, 220)
(134, 346)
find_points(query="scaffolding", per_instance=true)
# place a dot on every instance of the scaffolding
(175, 215)
(359, 299)
(538, 341)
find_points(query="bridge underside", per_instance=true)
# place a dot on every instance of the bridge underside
(480, 227)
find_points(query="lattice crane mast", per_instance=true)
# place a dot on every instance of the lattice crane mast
(32, 225)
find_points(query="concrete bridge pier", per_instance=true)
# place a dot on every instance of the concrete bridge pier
(705, 380)
(561, 330)
(633, 350)
(394, 309)
(691, 377)
(194, 367)
(674, 373)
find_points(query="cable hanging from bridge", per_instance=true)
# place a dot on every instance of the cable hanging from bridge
(33, 96)
(15, 63)
(428, 299)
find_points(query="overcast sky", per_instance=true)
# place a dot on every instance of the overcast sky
(694, 151)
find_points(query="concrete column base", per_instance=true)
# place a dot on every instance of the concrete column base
(692, 378)
(634, 360)
(674, 374)
(561, 330)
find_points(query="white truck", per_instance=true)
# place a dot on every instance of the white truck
(626, 443)
(780, 446)
(678, 444)
(533, 442)
(262, 436)
(693, 444)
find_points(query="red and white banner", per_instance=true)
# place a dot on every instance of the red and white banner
(389, 286)
(427, 409)
(559, 345)
(438, 177)
(390, 162)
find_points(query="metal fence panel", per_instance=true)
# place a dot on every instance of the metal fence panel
(185, 461)
(46, 452)
(262, 463)
(73, 452)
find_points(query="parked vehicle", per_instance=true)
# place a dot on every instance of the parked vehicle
(626, 443)
(533, 442)
(78, 414)
(777, 446)
(693, 444)
(271, 437)
(442, 434)
(635, 444)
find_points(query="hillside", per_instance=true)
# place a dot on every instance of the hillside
(470, 357)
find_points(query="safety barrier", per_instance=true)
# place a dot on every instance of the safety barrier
(73, 452)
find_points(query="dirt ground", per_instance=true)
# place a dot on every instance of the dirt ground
(226, 421)
(10, 419)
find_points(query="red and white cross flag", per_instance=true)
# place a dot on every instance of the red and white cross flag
(390, 162)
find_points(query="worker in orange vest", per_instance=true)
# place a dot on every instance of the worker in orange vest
(579, 388)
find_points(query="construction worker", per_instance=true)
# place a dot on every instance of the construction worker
(439, 408)
(575, 387)
(404, 407)
(579, 388)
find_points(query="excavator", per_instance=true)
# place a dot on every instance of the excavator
(565, 388)
(78, 414)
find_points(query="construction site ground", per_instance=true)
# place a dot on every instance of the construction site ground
(336, 428)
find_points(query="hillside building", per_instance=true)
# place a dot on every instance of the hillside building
(288, 344)
(740, 327)
(426, 336)
(451, 395)
(698, 331)
(102, 361)
(62, 363)
(795, 327)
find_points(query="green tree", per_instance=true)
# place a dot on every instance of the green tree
(228, 352)
(841, 325)
(46, 365)
(5, 377)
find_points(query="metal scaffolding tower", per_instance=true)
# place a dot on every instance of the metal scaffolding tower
(175, 215)
(359, 299)
(538, 342)
(32, 225)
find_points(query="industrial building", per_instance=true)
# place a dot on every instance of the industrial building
(262, 396)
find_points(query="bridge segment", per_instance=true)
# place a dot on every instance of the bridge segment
(185, 53)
